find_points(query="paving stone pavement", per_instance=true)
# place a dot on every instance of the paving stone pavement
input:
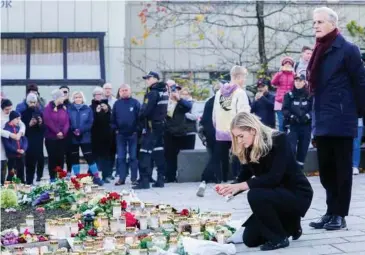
(312, 242)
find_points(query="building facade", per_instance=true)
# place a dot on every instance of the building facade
(57, 42)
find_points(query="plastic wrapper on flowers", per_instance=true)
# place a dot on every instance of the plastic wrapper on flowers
(202, 247)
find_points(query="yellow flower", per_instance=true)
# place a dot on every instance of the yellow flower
(199, 17)
(96, 223)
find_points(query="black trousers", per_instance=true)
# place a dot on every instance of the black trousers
(16, 164)
(31, 162)
(273, 217)
(173, 145)
(300, 137)
(208, 174)
(221, 160)
(86, 152)
(3, 170)
(152, 148)
(335, 171)
(56, 155)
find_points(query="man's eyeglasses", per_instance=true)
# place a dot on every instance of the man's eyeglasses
(65, 92)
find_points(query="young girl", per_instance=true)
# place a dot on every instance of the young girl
(297, 109)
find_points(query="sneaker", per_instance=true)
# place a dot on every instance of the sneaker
(355, 171)
(98, 181)
(201, 189)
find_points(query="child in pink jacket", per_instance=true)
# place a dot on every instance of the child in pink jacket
(284, 82)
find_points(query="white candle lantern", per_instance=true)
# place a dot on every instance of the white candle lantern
(117, 209)
(220, 236)
(134, 249)
(114, 226)
(22, 227)
(74, 226)
(105, 223)
(154, 220)
(122, 224)
(143, 222)
(129, 239)
(195, 227)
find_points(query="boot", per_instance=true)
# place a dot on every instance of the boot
(143, 184)
(160, 183)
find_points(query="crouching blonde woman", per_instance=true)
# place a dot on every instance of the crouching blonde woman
(279, 194)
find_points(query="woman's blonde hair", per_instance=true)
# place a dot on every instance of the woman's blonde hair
(262, 142)
(78, 93)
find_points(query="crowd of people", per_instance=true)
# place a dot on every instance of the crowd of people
(111, 131)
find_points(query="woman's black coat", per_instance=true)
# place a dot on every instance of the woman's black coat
(278, 169)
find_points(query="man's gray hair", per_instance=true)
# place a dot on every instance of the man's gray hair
(125, 86)
(332, 15)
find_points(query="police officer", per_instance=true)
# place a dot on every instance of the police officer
(152, 115)
(297, 111)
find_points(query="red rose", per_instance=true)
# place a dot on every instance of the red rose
(73, 235)
(80, 176)
(123, 204)
(114, 196)
(62, 174)
(185, 212)
(130, 219)
(92, 232)
(103, 201)
(80, 225)
(21, 240)
(58, 169)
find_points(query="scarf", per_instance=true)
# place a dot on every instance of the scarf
(78, 106)
(322, 45)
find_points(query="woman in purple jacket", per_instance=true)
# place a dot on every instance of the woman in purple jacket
(56, 121)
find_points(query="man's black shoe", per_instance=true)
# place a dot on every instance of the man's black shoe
(152, 180)
(143, 184)
(158, 185)
(321, 222)
(297, 234)
(336, 223)
(269, 246)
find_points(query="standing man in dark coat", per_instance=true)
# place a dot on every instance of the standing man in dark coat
(336, 77)
(263, 106)
(153, 115)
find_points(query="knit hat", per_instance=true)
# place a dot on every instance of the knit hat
(31, 87)
(13, 115)
(5, 103)
(287, 59)
(64, 87)
(56, 94)
(97, 90)
(31, 97)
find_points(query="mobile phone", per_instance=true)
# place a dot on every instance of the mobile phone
(173, 88)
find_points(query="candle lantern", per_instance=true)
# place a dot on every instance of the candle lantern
(154, 223)
(18, 250)
(109, 241)
(159, 240)
(130, 235)
(29, 220)
(143, 252)
(22, 227)
(195, 227)
(120, 250)
(104, 223)
(120, 239)
(117, 209)
(143, 222)
(77, 245)
(163, 215)
(114, 226)
(53, 245)
(134, 249)
(87, 188)
(74, 226)
(122, 224)
(172, 246)
(98, 242)
(148, 208)
(220, 236)
(210, 226)
(168, 208)
(100, 251)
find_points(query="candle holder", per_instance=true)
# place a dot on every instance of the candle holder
(109, 241)
(114, 226)
(122, 224)
(143, 221)
(53, 245)
(159, 240)
(220, 236)
(120, 239)
(105, 223)
(130, 235)
(120, 250)
(18, 250)
(154, 220)
(22, 227)
(134, 249)
(117, 209)
(195, 227)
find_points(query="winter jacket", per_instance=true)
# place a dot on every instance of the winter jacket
(23, 105)
(101, 131)
(264, 109)
(297, 107)
(229, 101)
(6, 134)
(81, 118)
(125, 116)
(176, 125)
(56, 120)
(11, 146)
(190, 121)
(284, 82)
(154, 108)
(207, 120)
(340, 91)
(34, 134)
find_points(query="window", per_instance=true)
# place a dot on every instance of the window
(13, 58)
(52, 58)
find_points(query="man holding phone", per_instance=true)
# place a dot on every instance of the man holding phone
(32, 117)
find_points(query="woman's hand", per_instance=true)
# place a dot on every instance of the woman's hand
(230, 189)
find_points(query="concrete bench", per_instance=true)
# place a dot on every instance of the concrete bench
(191, 164)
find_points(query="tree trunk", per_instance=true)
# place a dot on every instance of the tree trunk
(261, 33)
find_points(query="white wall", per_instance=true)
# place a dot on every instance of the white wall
(71, 16)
